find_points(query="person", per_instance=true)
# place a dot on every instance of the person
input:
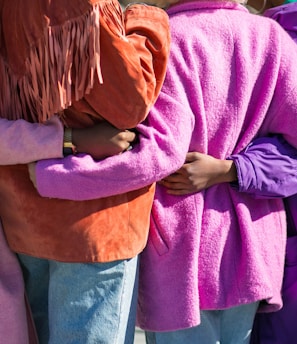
(278, 179)
(274, 175)
(16, 322)
(16, 325)
(212, 257)
(236, 265)
(266, 168)
(86, 61)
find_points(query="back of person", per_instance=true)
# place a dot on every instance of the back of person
(230, 79)
(279, 327)
(86, 60)
(219, 249)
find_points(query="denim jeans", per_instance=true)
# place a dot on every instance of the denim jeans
(230, 326)
(92, 303)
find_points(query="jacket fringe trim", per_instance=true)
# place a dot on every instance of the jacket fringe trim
(56, 75)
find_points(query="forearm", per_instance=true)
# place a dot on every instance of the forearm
(23, 142)
(156, 155)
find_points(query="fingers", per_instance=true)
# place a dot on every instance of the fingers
(194, 156)
(173, 178)
(127, 138)
(130, 136)
(191, 156)
(174, 185)
(179, 192)
(176, 188)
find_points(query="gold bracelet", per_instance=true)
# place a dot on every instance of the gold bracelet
(68, 147)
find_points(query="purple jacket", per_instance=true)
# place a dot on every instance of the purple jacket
(267, 168)
(218, 248)
(285, 15)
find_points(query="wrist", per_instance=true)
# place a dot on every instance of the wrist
(68, 147)
(229, 171)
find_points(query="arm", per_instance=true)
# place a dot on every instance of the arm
(266, 169)
(23, 142)
(163, 143)
(164, 139)
(102, 140)
(199, 172)
(133, 68)
(133, 57)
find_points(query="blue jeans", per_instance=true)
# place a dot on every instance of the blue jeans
(92, 303)
(230, 326)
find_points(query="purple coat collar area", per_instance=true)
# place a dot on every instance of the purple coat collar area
(286, 16)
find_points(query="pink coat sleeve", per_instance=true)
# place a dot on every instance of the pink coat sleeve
(163, 144)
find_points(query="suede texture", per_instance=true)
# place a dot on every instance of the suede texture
(114, 72)
(115, 76)
(99, 230)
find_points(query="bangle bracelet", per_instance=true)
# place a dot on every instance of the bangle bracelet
(68, 147)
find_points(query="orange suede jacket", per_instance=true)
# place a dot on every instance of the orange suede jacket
(88, 61)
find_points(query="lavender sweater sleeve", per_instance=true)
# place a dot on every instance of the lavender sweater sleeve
(23, 142)
(267, 168)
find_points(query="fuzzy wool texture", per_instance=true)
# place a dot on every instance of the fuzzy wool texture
(225, 85)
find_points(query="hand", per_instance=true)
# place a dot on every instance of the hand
(102, 140)
(199, 172)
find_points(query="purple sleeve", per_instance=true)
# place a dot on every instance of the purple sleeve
(285, 15)
(267, 168)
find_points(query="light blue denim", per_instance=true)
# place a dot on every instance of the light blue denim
(230, 326)
(73, 303)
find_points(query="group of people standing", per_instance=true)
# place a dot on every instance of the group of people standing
(145, 156)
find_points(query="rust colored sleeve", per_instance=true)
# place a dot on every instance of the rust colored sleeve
(133, 63)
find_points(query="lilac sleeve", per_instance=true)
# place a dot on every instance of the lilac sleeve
(23, 142)
(267, 168)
